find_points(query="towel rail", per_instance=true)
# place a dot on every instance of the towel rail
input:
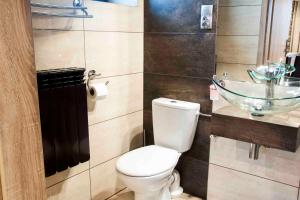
(77, 5)
(61, 15)
(41, 5)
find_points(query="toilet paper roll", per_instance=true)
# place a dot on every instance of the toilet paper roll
(98, 91)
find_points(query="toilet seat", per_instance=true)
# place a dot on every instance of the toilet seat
(147, 161)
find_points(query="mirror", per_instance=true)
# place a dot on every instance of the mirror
(255, 32)
(123, 2)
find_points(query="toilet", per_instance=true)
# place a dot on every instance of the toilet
(149, 171)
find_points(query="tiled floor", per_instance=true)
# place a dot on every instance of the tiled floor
(128, 195)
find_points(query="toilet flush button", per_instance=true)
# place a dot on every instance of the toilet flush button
(173, 101)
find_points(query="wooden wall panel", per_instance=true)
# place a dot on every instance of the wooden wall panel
(21, 163)
(296, 34)
(0, 189)
(281, 19)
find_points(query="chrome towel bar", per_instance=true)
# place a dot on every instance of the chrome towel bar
(77, 5)
(61, 15)
(40, 5)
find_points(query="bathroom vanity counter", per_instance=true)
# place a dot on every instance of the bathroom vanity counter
(279, 131)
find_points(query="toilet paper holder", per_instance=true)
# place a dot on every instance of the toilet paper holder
(91, 76)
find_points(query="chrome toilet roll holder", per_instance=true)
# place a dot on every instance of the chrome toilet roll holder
(91, 76)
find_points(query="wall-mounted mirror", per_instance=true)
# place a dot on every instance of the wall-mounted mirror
(255, 32)
(123, 2)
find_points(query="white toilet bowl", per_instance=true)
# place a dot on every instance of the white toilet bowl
(148, 188)
(148, 172)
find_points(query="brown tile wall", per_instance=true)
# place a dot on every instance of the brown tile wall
(179, 61)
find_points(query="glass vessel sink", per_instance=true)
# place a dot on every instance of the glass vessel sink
(270, 92)
(252, 96)
(271, 72)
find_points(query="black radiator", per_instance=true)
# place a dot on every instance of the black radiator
(64, 118)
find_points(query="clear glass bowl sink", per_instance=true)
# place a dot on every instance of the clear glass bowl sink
(273, 71)
(253, 97)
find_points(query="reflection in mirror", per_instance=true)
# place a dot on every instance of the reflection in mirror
(258, 42)
(253, 33)
(124, 2)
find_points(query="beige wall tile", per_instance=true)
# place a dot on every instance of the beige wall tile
(104, 181)
(125, 96)
(272, 164)
(235, 71)
(75, 188)
(239, 20)
(115, 17)
(58, 49)
(239, 2)
(227, 184)
(112, 138)
(61, 23)
(58, 177)
(114, 53)
(237, 49)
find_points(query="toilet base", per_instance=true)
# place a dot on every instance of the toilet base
(170, 191)
(175, 188)
(177, 193)
(163, 194)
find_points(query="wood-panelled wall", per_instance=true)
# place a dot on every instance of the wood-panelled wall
(296, 33)
(21, 163)
(1, 198)
(179, 60)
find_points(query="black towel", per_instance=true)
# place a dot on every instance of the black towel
(63, 110)
(297, 66)
(296, 73)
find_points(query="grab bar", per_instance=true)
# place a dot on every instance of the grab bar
(61, 15)
(40, 5)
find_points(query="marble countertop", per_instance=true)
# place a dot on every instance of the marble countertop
(291, 119)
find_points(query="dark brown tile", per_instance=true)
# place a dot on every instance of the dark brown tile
(175, 87)
(176, 15)
(148, 127)
(201, 145)
(246, 130)
(180, 54)
(193, 176)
